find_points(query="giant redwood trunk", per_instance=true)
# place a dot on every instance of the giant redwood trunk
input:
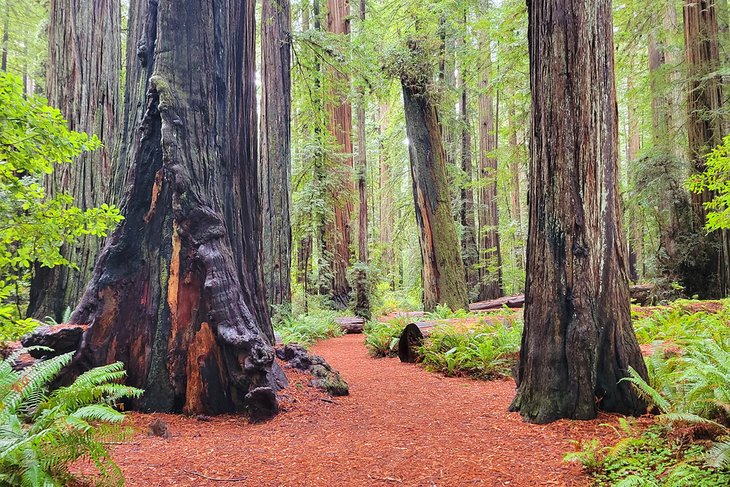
(490, 279)
(84, 68)
(578, 342)
(275, 161)
(175, 294)
(338, 234)
(443, 276)
(705, 131)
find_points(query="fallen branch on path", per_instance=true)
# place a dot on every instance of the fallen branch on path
(216, 479)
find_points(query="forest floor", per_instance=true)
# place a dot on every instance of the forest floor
(400, 425)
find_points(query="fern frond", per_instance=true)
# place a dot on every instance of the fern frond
(719, 455)
(647, 392)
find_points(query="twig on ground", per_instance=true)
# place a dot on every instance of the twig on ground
(216, 479)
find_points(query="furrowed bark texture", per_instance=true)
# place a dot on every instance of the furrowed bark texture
(443, 270)
(705, 131)
(490, 280)
(275, 165)
(84, 68)
(175, 294)
(578, 342)
(338, 234)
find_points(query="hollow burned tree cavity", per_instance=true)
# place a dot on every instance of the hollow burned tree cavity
(578, 342)
(176, 294)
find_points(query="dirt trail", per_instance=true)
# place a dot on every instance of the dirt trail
(400, 425)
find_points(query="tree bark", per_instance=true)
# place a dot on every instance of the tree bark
(84, 67)
(176, 294)
(578, 342)
(705, 131)
(636, 236)
(6, 38)
(469, 250)
(387, 220)
(362, 286)
(275, 162)
(338, 234)
(515, 193)
(443, 270)
(489, 251)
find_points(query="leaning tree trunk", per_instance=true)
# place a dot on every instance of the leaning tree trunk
(172, 295)
(84, 67)
(275, 164)
(338, 234)
(578, 342)
(489, 251)
(443, 270)
(705, 131)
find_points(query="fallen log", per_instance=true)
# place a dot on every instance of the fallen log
(509, 301)
(351, 324)
(412, 337)
(61, 339)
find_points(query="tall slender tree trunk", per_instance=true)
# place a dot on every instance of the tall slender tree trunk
(469, 250)
(578, 342)
(176, 293)
(443, 270)
(515, 202)
(636, 236)
(705, 129)
(275, 161)
(362, 286)
(84, 67)
(489, 251)
(6, 38)
(338, 235)
(387, 220)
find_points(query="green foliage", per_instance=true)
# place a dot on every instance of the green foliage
(381, 338)
(648, 459)
(306, 329)
(484, 352)
(42, 432)
(716, 179)
(386, 301)
(443, 312)
(34, 138)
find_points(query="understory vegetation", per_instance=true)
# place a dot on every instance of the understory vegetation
(307, 328)
(42, 433)
(689, 390)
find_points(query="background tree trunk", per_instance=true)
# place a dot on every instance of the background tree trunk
(387, 220)
(175, 294)
(275, 161)
(578, 341)
(338, 235)
(83, 73)
(362, 286)
(443, 270)
(469, 250)
(705, 131)
(491, 258)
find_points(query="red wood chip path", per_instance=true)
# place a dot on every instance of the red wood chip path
(401, 425)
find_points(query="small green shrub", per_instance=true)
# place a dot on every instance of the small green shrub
(306, 329)
(484, 352)
(650, 458)
(386, 301)
(381, 339)
(42, 432)
(677, 324)
(443, 312)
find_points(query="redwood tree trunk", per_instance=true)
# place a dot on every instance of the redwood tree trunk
(175, 294)
(362, 287)
(578, 342)
(275, 161)
(491, 258)
(338, 235)
(469, 250)
(443, 270)
(387, 220)
(84, 68)
(705, 131)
